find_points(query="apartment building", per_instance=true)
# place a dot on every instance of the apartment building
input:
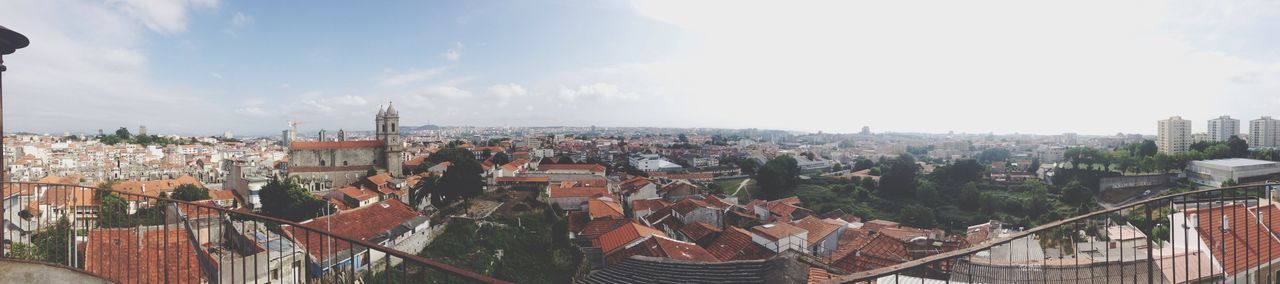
(1223, 127)
(1173, 135)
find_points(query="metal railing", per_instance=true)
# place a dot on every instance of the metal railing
(135, 238)
(1223, 235)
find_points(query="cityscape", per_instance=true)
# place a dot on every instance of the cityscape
(577, 142)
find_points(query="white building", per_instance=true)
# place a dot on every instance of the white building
(1223, 127)
(652, 163)
(1173, 135)
(1264, 133)
(1214, 172)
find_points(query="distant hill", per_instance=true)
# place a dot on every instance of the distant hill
(417, 128)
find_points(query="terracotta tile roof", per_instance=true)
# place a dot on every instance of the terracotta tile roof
(819, 275)
(879, 251)
(698, 230)
(1239, 247)
(357, 193)
(850, 241)
(68, 180)
(736, 244)
(524, 179)
(353, 223)
(153, 188)
(625, 234)
(572, 167)
(817, 228)
(604, 209)
(123, 256)
(594, 228)
(219, 195)
(633, 184)
(777, 231)
(659, 246)
(560, 191)
(379, 179)
(513, 165)
(317, 145)
(648, 204)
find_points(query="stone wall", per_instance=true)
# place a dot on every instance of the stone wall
(1109, 183)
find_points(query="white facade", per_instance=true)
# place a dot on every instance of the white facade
(1173, 135)
(1223, 127)
(1264, 133)
(1214, 172)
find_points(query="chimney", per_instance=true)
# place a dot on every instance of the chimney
(1226, 224)
(1192, 221)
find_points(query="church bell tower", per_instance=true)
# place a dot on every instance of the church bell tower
(388, 131)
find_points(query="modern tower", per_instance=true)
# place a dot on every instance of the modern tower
(1173, 135)
(1223, 127)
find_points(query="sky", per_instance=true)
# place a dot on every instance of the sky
(202, 67)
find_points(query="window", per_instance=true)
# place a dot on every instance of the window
(344, 163)
(275, 273)
(321, 163)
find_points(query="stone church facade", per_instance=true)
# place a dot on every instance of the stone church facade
(328, 164)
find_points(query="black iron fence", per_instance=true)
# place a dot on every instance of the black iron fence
(1222, 235)
(135, 238)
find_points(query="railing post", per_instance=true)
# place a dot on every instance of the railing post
(1151, 229)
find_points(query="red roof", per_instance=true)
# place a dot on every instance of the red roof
(623, 235)
(597, 227)
(358, 193)
(121, 256)
(658, 246)
(352, 224)
(316, 145)
(528, 179)
(604, 209)
(879, 251)
(648, 204)
(1239, 248)
(572, 167)
(777, 231)
(736, 244)
(817, 228)
(698, 230)
(580, 191)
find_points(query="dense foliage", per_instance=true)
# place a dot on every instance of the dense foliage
(285, 198)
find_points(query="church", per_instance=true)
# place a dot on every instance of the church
(329, 163)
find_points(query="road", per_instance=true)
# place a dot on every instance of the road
(740, 186)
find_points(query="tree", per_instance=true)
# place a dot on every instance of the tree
(1239, 148)
(960, 172)
(52, 242)
(970, 197)
(501, 158)
(1147, 148)
(862, 164)
(682, 138)
(1035, 166)
(778, 176)
(870, 183)
(123, 133)
(190, 192)
(462, 180)
(994, 155)
(288, 200)
(1076, 194)
(899, 179)
(918, 216)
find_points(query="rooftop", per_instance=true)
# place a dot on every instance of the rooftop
(1236, 162)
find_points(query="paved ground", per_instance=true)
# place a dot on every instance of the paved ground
(25, 272)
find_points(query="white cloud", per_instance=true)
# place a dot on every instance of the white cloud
(216, 75)
(594, 92)
(240, 20)
(163, 16)
(444, 92)
(508, 90)
(995, 59)
(454, 53)
(411, 76)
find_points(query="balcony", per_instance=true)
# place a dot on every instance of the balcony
(1229, 234)
(68, 234)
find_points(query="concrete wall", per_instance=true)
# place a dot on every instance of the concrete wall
(336, 157)
(1109, 183)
